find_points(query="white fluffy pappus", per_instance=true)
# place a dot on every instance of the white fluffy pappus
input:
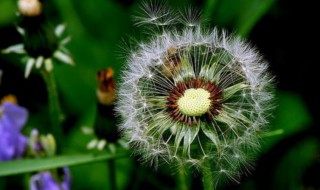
(159, 96)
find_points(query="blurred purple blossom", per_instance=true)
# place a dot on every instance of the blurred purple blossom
(45, 181)
(12, 142)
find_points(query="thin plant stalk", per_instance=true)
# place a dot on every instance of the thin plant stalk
(207, 178)
(56, 115)
(112, 172)
(182, 180)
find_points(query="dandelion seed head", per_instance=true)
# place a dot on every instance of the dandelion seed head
(190, 95)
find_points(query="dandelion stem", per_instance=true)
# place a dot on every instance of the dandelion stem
(56, 115)
(182, 180)
(207, 177)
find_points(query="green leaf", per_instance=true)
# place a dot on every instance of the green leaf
(32, 165)
(291, 116)
(255, 9)
(99, 177)
(297, 160)
(272, 133)
(209, 7)
(7, 12)
(242, 15)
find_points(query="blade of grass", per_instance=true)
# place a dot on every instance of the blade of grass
(31, 165)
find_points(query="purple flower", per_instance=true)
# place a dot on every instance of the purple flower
(45, 181)
(12, 142)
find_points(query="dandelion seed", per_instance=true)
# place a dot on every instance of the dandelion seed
(191, 17)
(205, 97)
(156, 13)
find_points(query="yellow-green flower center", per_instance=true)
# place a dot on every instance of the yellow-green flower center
(194, 102)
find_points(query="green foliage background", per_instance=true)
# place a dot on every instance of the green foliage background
(97, 29)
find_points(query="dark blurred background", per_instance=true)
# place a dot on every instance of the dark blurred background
(284, 31)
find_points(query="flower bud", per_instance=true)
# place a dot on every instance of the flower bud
(42, 42)
(30, 8)
(41, 145)
(106, 91)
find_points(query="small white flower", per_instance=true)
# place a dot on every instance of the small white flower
(191, 96)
